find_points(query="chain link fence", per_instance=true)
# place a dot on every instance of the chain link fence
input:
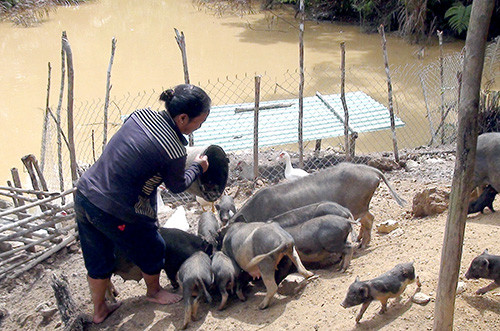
(425, 102)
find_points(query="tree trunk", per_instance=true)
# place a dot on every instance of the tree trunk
(464, 165)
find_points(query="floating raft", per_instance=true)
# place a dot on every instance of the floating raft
(231, 126)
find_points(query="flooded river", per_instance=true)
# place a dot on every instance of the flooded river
(147, 56)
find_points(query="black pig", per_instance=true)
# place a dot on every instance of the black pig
(485, 200)
(485, 266)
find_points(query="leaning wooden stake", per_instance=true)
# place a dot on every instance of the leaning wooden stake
(181, 42)
(301, 84)
(45, 128)
(256, 129)
(389, 91)
(344, 103)
(71, 138)
(464, 165)
(106, 98)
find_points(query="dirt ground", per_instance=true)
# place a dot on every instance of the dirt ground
(317, 306)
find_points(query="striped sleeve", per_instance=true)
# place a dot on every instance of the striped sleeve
(161, 131)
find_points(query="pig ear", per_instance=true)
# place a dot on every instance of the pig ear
(364, 291)
(485, 251)
(240, 218)
(217, 207)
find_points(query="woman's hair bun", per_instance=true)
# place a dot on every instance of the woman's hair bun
(167, 95)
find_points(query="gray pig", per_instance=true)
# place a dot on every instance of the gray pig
(487, 163)
(350, 185)
(195, 276)
(258, 248)
(226, 276)
(208, 228)
(323, 238)
(389, 285)
(226, 208)
(485, 266)
(485, 200)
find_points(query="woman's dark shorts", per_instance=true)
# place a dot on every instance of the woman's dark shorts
(100, 232)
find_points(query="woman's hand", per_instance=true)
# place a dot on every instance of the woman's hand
(202, 160)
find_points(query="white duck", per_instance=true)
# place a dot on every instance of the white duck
(290, 172)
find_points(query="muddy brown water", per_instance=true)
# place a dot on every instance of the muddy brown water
(147, 56)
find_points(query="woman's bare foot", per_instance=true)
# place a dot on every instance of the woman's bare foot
(101, 313)
(163, 297)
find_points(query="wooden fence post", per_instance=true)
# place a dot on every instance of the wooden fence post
(344, 103)
(464, 165)
(301, 84)
(106, 98)
(389, 92)
(181, 42)
(256, 129)
(71, 138)
(441, 79)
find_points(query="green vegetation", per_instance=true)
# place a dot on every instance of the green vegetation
(458, 17)
(30, 12)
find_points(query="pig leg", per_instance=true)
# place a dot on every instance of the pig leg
(187, 312)
(384, 305)
(362, 311)
(239, 292)
(347, 254)
(223, 293)
(294, 256)
(365, 233)
(267, 271)
(196, 304)
(485, 289)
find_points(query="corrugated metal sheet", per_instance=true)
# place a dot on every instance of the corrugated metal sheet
(233, 130)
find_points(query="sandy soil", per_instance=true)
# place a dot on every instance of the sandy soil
(316, 307)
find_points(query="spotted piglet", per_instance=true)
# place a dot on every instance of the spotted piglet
(226, 277)
(195, 276)
(388, 285)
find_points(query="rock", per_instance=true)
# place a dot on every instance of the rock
(4, 204)
(48, 313)
(397, 233)
(73, 248)
(461, 287)
(292, 284)
(420, 298)
(387, 226)
(384, 164)
(430, 202)
(411, 165)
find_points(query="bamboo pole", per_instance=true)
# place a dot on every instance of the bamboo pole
(256, 128)
(301, 84)
(40, 257)
(17, 182)
(71, 138)
(441, 79)
(181, 42)
(106, 98)
(53, 221)
(37, 203)
(40, 241)
(14, 197)
(389, 92)
(451, 253)
(21, 190)
(344, 103)
(45, 127)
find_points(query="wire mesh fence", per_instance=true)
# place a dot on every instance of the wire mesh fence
(425, 101)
